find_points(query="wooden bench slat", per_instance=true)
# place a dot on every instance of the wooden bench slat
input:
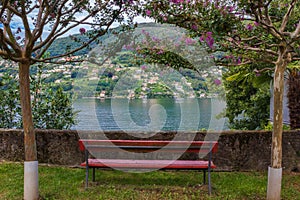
(145, 142)
(148, 164)
(190, 146)
(145, 149)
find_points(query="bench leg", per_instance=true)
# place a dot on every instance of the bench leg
(209, 182)
(209, 169)
(86, 170)
(86, 177)
(94, 174)
(209, 179)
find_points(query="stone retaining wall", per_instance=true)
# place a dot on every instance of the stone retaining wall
(238, 150)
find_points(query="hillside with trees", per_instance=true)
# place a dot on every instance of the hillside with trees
(92, 77)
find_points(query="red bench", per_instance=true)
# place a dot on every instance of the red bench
(136, 147)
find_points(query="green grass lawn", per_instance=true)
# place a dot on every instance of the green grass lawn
(68, 183)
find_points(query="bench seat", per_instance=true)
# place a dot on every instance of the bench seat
(148, 164)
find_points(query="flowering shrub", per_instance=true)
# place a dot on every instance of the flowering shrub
(235, 28)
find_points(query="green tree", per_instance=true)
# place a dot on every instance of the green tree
(52, 108)
(39, 24)
(10, 108)
(248, 31)
(55, 111)
(247, 97)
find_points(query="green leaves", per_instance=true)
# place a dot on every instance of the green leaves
(167, 58)
(52, 109)
(247, 97)
(10, 108)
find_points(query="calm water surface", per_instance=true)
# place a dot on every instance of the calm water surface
(146, 114)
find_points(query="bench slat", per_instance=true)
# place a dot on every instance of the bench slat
(190, 146)
(148, 164)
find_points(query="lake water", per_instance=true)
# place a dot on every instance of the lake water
(149, 114)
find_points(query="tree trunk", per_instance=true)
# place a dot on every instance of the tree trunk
(29, 133)
(31, 163)
(278, 115)
(275, 170)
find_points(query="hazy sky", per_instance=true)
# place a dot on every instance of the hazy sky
(16, 24)
(138, 19)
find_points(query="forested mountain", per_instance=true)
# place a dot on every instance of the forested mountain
(61, 45)
(92, 78)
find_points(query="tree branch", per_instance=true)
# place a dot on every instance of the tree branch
(47, 43)
(77, 49)
(272, 30)
(287, 16)
(51, 37)
(38, 31)
(28, 41)
(249, 48)
(5, 3)
(234, 64)
(8, 36)
(295, 34)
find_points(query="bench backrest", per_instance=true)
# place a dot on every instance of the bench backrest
(149, 145)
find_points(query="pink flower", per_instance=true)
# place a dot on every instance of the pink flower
(217, 82)
(176, 1)
(128, 47)
(155, 39)
(230, 9)
(189, 41)
(82, 31)
(210, 41)
(249, 27)
(160, 52)
(143, 67)
(194, 27)
(201, 38)
(148, 12)
(208, 38)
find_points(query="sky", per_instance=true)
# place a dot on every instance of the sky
(17, 23)
(138, 19)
